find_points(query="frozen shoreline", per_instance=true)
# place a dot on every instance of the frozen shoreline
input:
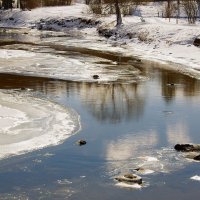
(163, 41)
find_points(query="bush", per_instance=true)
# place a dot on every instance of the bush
(96, 8)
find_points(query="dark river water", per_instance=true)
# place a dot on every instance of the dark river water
(126, 125)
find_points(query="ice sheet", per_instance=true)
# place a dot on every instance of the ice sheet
(28, 123)
(196, 178)
(66, 67)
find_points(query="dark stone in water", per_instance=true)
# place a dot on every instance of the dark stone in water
(81, 142)
(197, 158)
(139, 169)
(196, 42)
(187, 147)
(129, 178)
(23, 88)
(95, 76)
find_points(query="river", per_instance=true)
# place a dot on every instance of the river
(132, 116)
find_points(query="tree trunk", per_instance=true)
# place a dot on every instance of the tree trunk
(18, 3)
(21, 4)
(178, 3)
(118, 13)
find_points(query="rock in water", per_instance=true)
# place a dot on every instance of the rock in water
(144, 171)
(81, 142)
(196, 42)
(187, 147)
(95, 76)
(130, 178)
(197, 158)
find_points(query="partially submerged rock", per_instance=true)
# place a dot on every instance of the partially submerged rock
(192, 151)
(196, 42)
(197, 158)
(144, 171)
(81, 142)
(95, 76)
(187, 147)
(129, 178)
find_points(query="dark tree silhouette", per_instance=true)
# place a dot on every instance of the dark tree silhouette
(7, 4)
(118, 13)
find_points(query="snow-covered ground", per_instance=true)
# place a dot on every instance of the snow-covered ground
(155, 39)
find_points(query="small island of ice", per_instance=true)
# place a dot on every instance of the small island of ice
(28, 123)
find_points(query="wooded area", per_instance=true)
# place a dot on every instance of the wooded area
(30, 4)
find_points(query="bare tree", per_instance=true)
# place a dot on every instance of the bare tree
(178, 8)
(118, 13)
(117, 7)
(191, 10)
(170, 9)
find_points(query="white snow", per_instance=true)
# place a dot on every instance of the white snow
(10, 54)
(126, 185)
(196, 178)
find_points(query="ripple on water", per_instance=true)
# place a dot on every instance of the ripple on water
(28, 123)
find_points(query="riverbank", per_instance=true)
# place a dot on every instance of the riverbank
(153, 38)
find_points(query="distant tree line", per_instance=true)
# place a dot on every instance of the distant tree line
(124, 7)
(29, 4)
(118, 7)
(190, 7)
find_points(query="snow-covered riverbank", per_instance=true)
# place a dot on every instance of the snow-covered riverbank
(153, 39)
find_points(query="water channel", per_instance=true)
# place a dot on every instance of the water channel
(131, 117)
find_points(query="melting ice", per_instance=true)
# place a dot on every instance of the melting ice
(28, 123)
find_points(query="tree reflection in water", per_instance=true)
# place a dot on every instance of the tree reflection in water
(106, 102)
(177, 85)
(113, 102)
